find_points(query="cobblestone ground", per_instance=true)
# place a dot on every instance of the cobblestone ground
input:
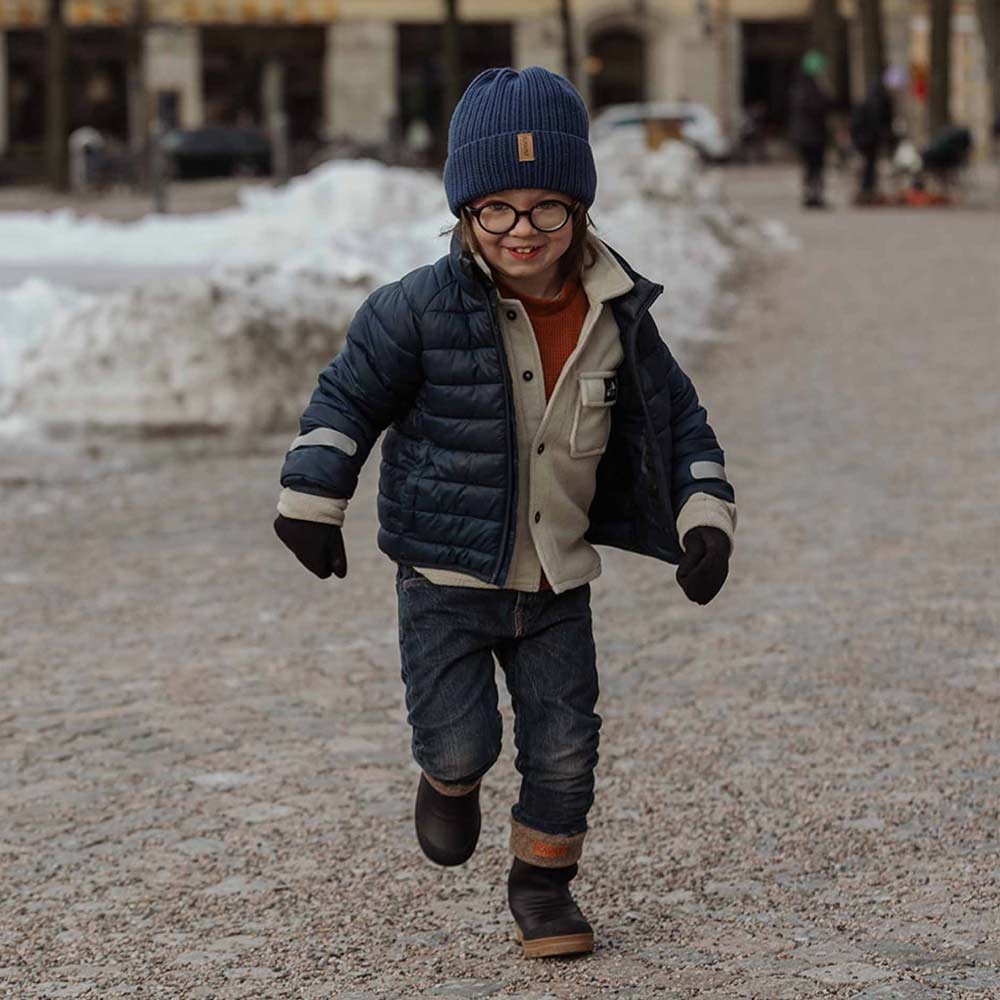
(206, 785)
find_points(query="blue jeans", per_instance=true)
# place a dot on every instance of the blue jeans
(544, 644)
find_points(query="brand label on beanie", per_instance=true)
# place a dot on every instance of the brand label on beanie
(525, 146)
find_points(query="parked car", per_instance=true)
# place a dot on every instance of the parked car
(696, 124)
(217, 151)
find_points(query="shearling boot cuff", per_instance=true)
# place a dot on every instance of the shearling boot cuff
(546, 850)
(451, 788)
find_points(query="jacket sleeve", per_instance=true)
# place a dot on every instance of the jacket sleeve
(700, 492)
(371, 383)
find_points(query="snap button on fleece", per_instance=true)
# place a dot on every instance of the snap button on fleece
(538, 516)
(528, 376)
(541, 448)
(511, 314)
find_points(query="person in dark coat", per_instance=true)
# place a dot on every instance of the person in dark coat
(872, 131)
(531, 411)
(811, 104)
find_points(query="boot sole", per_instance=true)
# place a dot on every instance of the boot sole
(563, 944)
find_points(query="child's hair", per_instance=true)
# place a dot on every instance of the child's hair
(571, 263)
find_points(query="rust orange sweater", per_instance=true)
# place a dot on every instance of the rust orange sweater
(557, 323)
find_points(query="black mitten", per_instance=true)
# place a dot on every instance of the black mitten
(319, 547)
(705, 564)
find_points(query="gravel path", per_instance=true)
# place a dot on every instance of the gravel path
(205, 778)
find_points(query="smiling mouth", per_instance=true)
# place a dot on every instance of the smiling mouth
(524, 251)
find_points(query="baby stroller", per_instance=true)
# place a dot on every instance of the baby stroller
(945, 157)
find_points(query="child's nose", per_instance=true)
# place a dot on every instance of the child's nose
(523, 227)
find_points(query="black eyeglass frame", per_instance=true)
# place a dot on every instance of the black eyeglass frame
(519, 212)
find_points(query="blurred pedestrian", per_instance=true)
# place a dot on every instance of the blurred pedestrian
(533, 411)
(811, 104)
(872, 131)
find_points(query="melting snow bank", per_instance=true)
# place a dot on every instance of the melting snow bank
(233, 347)
(238, 347)
(197, 353)
(28, 314)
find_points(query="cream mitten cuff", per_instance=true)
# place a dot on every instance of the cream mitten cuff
(705, 510)
(309, 507)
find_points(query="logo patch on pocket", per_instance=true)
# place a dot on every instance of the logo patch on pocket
(610, 389)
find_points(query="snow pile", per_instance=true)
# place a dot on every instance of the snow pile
(239, 345)
(665, 216)
(669, 218)
(274, 284)
(29, 314)
(340, 206)
(627, 168)
(197, 353)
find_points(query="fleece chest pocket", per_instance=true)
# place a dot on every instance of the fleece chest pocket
(597, 393)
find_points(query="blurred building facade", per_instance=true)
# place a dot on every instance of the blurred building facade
(371, 70)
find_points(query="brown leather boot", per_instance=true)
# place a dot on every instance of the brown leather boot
(548, 921)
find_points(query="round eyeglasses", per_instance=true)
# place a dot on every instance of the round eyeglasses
(497, 217)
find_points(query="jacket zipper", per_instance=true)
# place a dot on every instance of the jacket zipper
(500, 572)
(644, 307)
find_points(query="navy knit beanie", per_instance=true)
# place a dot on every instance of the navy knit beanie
(513, 129)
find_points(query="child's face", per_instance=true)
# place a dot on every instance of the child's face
(498, 250)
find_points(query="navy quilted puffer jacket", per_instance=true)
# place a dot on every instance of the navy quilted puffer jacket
(424, 358)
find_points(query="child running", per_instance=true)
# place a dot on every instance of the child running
(532, 412)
